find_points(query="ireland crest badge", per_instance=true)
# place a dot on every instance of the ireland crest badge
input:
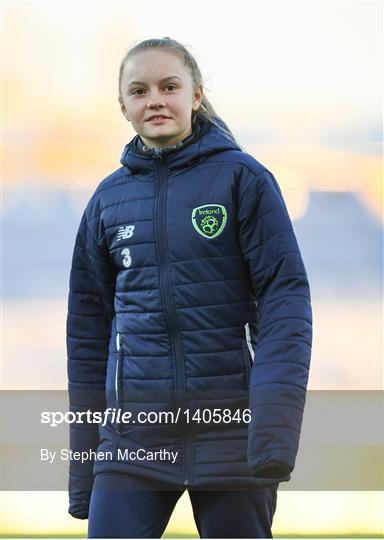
(209, 220)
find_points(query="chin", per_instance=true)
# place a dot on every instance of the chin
(162, 139)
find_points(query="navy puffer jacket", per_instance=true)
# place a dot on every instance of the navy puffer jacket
(188, 295)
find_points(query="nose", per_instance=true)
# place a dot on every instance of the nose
(155, 102)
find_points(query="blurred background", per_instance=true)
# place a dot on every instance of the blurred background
(300, 86)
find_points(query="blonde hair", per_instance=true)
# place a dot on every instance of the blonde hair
(205, 110)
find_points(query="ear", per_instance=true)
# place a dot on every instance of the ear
(123, 109)
(197, 98)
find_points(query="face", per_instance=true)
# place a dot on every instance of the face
(156, 83)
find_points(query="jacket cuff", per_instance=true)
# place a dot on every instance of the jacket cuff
(79, 508)
(80, 491)
(276, 464)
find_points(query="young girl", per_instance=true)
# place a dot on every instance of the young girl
(189, 321)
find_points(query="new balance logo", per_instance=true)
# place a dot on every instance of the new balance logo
(125, 232)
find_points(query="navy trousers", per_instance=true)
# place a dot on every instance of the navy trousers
(122, 507)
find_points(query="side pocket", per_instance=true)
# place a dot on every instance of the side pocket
(118, 378)
(248, 345)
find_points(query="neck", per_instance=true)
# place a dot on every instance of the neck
(161, 149)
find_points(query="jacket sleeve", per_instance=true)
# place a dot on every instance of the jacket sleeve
(282, 328)
(89, 319)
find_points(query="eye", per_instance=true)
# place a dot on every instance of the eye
(172, 86)
(137, 90)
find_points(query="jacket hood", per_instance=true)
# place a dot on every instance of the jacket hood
(206, 139)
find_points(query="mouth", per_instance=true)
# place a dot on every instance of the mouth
(158, 118)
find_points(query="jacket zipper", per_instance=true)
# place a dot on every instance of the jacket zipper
(166, 290)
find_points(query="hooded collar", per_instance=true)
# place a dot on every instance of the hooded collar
(205, 140)
(163, 150)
